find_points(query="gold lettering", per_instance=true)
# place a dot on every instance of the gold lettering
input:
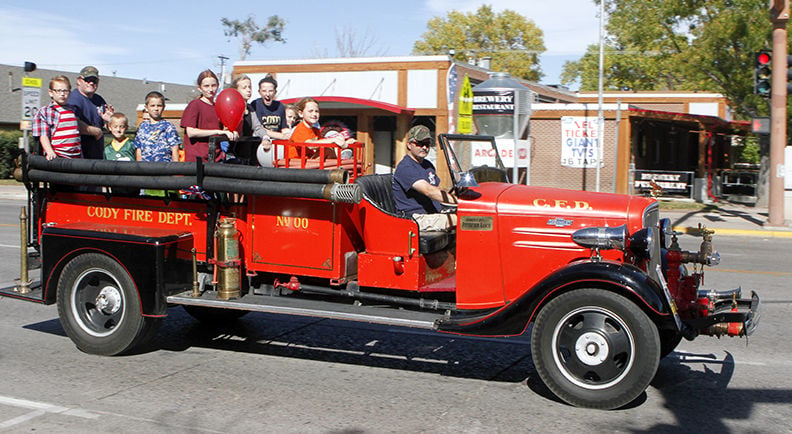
(559, 203)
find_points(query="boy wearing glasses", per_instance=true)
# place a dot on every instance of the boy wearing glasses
(55, 125)
(92, 109)
(415, 185)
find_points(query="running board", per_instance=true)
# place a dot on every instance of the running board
(35, 294)
(313, 308)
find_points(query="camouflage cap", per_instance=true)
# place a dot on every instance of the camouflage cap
(89, 71)
(419, 133)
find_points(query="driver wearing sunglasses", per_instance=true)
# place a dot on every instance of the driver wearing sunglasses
(415, 185)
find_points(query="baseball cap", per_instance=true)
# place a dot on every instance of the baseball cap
(419, 133)
(89, 71)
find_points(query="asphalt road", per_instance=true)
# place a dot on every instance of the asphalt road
(270, 373)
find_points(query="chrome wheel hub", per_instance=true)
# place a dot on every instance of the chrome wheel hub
(109, 300)
(591, 348)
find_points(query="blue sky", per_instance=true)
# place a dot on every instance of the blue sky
(174, 41)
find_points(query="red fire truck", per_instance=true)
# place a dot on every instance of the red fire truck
(600, 277)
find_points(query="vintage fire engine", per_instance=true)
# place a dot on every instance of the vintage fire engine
(600, 276)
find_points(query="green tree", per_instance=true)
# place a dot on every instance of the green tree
(512, 41)
(248, 32)
(691, 45)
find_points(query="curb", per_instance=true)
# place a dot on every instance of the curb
(765, 233)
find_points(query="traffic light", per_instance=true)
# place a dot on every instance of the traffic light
(762, 75)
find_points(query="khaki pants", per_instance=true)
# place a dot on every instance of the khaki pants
(435, 222)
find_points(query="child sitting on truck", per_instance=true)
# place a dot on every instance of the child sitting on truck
(307, 132)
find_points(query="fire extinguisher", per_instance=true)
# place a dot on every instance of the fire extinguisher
(227, 259)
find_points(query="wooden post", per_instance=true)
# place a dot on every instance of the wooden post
(779, 15)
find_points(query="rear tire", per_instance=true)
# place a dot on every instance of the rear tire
(594, 348)
(99, 306)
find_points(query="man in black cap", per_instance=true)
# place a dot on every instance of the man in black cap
(415, 185)
(92, 109)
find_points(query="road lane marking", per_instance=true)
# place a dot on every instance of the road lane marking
(39, 409)
(22, 419)
(770, 273)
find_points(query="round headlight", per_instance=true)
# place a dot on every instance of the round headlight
(603, 238)
(642, 243)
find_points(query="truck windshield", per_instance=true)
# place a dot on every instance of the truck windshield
(468, 153)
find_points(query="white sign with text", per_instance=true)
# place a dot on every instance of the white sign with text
(581, 139)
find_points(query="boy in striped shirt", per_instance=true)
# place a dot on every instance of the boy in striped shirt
(56, 126)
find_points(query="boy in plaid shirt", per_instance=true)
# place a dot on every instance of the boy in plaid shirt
(56, 126)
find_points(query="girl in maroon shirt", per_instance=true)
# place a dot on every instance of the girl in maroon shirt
(200, 121)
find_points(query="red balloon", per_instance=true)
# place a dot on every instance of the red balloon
(230, 107)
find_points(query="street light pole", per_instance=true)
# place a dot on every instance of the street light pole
(600, 117)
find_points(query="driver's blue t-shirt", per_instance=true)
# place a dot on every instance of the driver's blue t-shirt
(407, 199)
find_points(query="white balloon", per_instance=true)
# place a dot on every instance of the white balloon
(265, 158)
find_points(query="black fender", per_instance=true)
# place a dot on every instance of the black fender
(158, 263)
(513, 318)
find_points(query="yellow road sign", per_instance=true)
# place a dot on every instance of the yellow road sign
(31, 82)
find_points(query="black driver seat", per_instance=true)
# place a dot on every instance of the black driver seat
(378, 191)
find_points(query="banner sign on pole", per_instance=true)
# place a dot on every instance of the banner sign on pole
(580, 138)
(465, 122)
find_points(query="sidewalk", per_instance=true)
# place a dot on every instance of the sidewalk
(14, 191)
(727, 218)
(723, 217)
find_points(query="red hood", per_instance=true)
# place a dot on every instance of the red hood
(579, 208)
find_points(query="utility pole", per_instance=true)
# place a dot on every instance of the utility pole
(600, 117)
(779, 15)
(222, 70)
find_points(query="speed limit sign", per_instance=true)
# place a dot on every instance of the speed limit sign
(31, 97)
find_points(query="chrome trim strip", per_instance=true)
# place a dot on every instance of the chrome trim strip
(176, 299)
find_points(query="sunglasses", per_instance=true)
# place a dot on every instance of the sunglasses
(424, 143)
(92, 80)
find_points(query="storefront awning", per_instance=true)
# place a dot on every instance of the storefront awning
(343, 102)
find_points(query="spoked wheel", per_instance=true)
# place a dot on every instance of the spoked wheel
(99, 307)
(595, 348)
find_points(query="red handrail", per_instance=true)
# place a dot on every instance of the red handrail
(318, 158)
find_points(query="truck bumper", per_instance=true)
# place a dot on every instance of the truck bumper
(728, 315)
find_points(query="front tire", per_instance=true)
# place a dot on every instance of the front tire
(669, 339)
(595, 349)
(99, 307)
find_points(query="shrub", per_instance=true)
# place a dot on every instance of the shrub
(9, 150)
